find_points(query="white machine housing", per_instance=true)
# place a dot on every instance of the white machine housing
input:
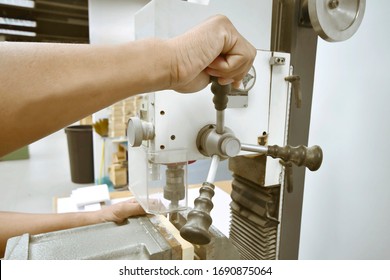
(177, 118)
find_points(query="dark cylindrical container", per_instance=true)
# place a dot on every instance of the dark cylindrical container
(80, 148)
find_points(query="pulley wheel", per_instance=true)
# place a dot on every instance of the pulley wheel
(336, 20)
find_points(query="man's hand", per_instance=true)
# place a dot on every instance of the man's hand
(213, 48)
(119, 212)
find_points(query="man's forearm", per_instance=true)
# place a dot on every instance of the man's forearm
(15, 224)
(45, 87)
(65, 83)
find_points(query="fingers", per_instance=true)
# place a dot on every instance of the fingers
(214, 48)
(136, 209)
(132, 208)
(223, 81)
(229, 67)
(229, 70)
(119, 212)
(236, 58)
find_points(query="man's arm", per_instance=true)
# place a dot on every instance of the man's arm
(44, 87)
(15, 224)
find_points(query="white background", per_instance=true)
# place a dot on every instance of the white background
(346, 210)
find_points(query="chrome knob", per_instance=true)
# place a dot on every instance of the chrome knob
(138, 130)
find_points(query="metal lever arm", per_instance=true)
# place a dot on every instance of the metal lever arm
(196, 230)
(301, 156)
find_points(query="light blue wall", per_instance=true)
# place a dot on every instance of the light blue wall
(346, 210)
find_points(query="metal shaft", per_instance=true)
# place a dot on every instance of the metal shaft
(254, 148)
(220, 101)
(213, 169)
(220, 125)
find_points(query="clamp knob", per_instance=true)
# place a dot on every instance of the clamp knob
(138, 130)
(230, 146)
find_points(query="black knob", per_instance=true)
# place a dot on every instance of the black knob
(220, 92)
(196, 230)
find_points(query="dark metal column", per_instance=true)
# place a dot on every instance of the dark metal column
(301, 42)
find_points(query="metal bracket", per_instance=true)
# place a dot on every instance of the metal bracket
(288, 172)
(295, 81)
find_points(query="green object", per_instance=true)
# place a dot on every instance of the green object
(22, 153)
(105, 180)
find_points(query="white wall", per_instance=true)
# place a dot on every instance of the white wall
(110, 22)
(346, 210)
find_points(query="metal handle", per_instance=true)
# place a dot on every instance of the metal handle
(196, 230)
(220, 94)
(220, 101)
(295, 81)
(301, 156)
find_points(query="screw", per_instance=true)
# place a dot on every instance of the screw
(333, 4)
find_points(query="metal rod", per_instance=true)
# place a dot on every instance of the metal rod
(220, 122)
(213, 169)
(254, 148)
